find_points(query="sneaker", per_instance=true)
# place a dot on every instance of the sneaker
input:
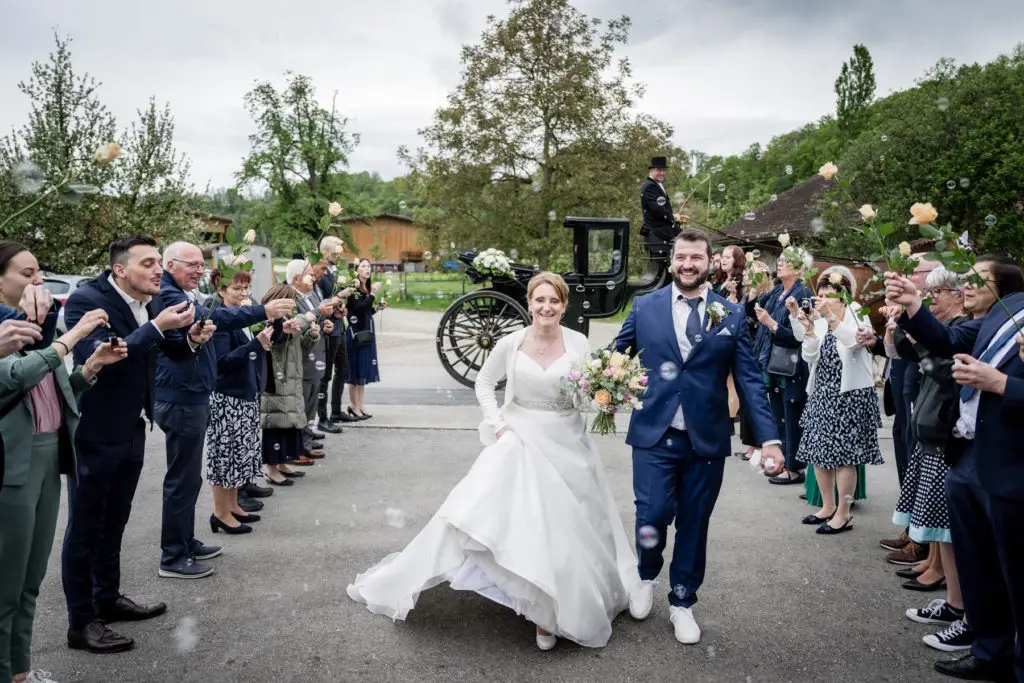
(185, 569)
(909, 555)
(896, 543)
(201, 551)
(39, 676)
(641, 600)
(956, 636)
(685, 626)
(937, 611)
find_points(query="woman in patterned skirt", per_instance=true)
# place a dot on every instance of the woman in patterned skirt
(841, 419)
(233, 434)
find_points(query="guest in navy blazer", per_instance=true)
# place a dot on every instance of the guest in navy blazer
(111, 438)
(985, 487)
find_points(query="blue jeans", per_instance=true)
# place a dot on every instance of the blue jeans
(184, 427)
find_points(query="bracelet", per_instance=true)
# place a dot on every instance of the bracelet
(66, 349)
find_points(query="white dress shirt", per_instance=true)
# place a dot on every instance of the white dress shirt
(137, 307)
(968, 420)
(680, 315)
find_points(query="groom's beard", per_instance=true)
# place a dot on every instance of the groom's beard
(699, 279)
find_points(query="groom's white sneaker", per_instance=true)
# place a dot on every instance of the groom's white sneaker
(641, 600)
(687, 631)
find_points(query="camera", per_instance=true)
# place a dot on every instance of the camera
(805, 305)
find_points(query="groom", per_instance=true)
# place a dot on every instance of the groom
(691, 339)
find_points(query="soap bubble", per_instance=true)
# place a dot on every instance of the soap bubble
(622, 166)
(647, 537)
(279, 375)
(312, 356)
(586, 305)
(756, 253)
(679, 591)
(668, 371)
(186, 638)
(817, 225)
(535, 187)
(885, 138)
(580, 320)
(610, 284)
(662, 201)
(965, 182)
(990, 220)
(789, 170)
(749, 216)
(718, 168)
(721, 187)
(514, 254)
(277, 446)
(942, 103)
(552, 215)
(950, 184)
(427, 255)
(252, 355)
(718, 205)
(320, 366)
(353, 320)
(774, 197)
(678, 197)
(927, 364)
(395, 518)
(321, 396)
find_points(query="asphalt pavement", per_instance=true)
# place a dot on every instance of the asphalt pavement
(780, 603)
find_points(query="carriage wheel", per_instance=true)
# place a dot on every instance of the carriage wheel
(471, 327)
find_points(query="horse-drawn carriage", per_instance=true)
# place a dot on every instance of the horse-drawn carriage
(598, 288)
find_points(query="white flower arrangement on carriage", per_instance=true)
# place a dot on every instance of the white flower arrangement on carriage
(493, 262)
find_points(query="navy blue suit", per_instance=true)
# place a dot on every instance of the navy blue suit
(337, 352)
(182, 411)
(110, 443)
(985, 489)
(677, 474)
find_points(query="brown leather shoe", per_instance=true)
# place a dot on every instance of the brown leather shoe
(315, 454)
(895, 544)
(909, 555)
(302, 461)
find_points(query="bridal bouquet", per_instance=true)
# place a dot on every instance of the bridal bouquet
(610, 379)
(492, 262)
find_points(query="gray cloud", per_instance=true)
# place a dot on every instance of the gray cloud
(724, 74)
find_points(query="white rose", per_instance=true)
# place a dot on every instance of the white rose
(784, 239)
(106, 153)
(334, 209)
(250, 237)
(867, 212)
(828, 171)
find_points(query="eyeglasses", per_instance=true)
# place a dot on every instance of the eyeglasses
(933, 293)
(192, 265)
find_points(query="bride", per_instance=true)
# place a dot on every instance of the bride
(533, 524)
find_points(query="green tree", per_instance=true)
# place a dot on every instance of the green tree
(855, 88)
(541, 126)
(143, 191)
(297, 152)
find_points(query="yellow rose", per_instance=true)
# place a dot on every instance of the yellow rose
(923, 214)
(828, 171)
(334, 208)
(602, 398)
(784, 239)
(867, 212)
(105, 154)
(250, 237)
(904, 249)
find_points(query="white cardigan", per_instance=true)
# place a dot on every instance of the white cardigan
(858, 372)
(501, 362)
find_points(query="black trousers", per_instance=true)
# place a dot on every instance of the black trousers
(989, 547)
(99, 504)
(337, 366)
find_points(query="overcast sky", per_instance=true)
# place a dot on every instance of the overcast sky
(724, 73)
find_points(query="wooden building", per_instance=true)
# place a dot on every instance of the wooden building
(387, 239)
(214, 228)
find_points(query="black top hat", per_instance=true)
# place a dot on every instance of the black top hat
(658, 162)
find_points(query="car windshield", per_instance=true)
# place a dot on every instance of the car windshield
(57, 286)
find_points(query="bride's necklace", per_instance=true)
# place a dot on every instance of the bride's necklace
(541, 352)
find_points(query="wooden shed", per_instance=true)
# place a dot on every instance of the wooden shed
(387, 239)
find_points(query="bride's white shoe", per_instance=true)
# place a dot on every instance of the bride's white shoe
(641, 600)
(546, 642)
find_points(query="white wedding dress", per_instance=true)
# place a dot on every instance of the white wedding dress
(533, 524)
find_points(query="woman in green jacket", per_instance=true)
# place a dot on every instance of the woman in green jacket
(38, 399)
(282, 410)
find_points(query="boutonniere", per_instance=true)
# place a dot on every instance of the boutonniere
(716, 314)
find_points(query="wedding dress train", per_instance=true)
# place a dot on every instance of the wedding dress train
(533, 525)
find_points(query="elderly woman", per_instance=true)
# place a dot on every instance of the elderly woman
(777, 352)
(282, 405)
(233, 446)
(841, 419)
(39, 415)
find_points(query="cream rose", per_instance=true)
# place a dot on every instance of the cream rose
(334, 209)
(307, 280)
(784, 239)
(867, 212)
(904, 249)
(923, 214)
(749, 256)
(828, 171)
(250, 237)
(106, 154)
(835, 278)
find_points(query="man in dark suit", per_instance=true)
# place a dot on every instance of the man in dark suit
(691, 340)
(300, 275)
(182, 409)
(111, 439)
(336, 358)
(660, 226)
(985, 487)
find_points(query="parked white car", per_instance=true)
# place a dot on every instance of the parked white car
(61, 287)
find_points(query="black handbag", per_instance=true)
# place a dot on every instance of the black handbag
(363, 338)
(783, 361)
